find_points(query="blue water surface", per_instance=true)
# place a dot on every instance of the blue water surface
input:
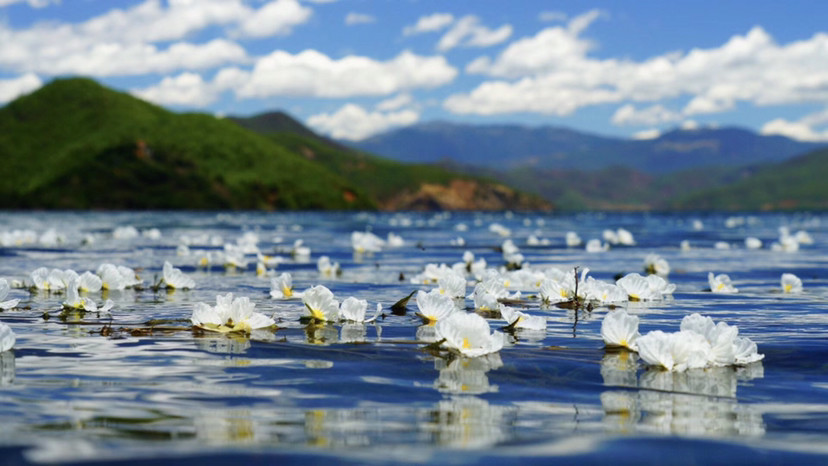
(140, 385)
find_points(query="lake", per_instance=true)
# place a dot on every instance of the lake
(139, 384)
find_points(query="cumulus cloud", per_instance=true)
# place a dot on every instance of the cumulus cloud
(650, 116)
(804, 129)
(431, 23)
(468, 32)
(394, 103)
(554, 73)
(146, 38)
(314, 74)
(552, 16)
(647, 134)
(353, 122)
(186, 89)
(352, 19)
(13, 88)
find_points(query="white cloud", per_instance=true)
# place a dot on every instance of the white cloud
(32, 3)
(431, 23)
(145, 38)
(468, 32)
(186, 89)
(353, 19)
(650, 116)
(689, 125)
(553, 72)
(311, 73)
(395, 103)
(647, 134)
(805, 129)
(552, 16)
(11, 89)
(275, 18)
(354, 123)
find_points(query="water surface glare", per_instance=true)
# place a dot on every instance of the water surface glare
(140, 384)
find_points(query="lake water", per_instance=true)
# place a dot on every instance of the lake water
(374, 393)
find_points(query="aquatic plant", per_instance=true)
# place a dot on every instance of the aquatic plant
(790, 283)
(468, 334)
(620, 329)
(229, 315)
(4, 292)
(434, 306)
(320, 303)
(176, 279)
(720, 283)
(655, 264)
(281, 287)
(518, 319)
(7, 338)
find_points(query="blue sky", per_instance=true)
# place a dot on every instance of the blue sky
(353, 68)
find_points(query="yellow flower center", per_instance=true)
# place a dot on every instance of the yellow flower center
(317, 314)
(634, 297)
(466, 343)
(563, 293)
(623, 342)
(287, 292)
(203, 262)
(720, 287)
(788, 288)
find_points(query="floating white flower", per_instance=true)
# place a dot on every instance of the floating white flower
(7, 338)
(522, 320)
(281, 287)
(791, 283)
(721, 245)
(500, 230)
(321, 304)
(394, 241)
(610, 236)
(4, 291)
(353, 309)
(299, 251)
(234, 256)
(726, 347)
(89, 282)
(229, 315)
(48, 280)
(803, 237)
(434, 306)
(117, 277)
(638, 287)
(552, 291)
(468, 334)
(175, 278)
(452, 285)
(625, 237)
(720, 283)
(125, 232)
(594, 245)
(75, 301)
(595, 290)
(674, 351)
(572, 239)
(753, 243)
(366, 242)
(685, 245)
(620, 329)
(326, 267)
(655, 264)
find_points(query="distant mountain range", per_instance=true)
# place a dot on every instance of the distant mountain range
(75, 144)
(507, 147)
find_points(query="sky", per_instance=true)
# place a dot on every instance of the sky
(354, 68)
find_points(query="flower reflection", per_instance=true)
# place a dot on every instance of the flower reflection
(352, 333)
(693, 402)
(229, 344)
(6, 368)
(227, 427)
(321, 334)
(466, 375)
(468, 422)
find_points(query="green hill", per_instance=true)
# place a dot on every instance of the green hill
(799, 183)
(393, 184)
(76, 144)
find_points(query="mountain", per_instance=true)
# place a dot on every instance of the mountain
(76, 144)
(510, 147)
(395, 185)
(798, 183)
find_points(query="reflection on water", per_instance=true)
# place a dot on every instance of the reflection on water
(140, 383)
(693, 402)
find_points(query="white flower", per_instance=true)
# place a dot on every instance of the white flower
(594, 245)
(803, 237)
(572, 239)
(500, 230)
(721, 245)
(234, 256)
(48, 280)
(522, 320)
(753, 243)
(111, 278)
(620, 329)
(366, 242)
(625, 237)
(4, 291)
(175, 278)
(602, 292)
(326, 267)
(720, 283)
(674, 351)
(552, 291)
(394, 241)
(659, 285)
(638, 287)
(610, 236)
(745, 351)
(791, 283)
(653, 263)
(229, 315)
(7, 338)
(434, 306)
(685, 245)
(452, 285)
(353, 309)
(298, 251)
(75, 301)
(89, 282)
(125, 232)
(321, 304)
(281, 287)
(468, 334)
